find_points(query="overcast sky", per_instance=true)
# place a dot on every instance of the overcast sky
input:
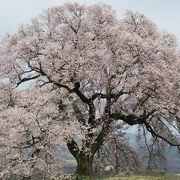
(165, 13)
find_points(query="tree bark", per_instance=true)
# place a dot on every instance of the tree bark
(83, 158)
(84, 166)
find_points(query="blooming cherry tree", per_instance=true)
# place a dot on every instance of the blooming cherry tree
(27, 130)
(94, 69)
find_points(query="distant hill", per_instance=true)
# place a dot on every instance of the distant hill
(173, 164)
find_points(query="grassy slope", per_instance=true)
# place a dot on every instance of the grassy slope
(145, 178)
(139, 178)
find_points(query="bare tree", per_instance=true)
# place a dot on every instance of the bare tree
(117, 154)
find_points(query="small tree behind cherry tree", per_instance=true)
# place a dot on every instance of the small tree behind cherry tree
(103, 69)
(116, 157)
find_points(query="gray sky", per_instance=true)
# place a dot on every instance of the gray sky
(165, 13)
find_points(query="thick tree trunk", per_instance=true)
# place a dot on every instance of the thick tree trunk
(84, 160)
(84, 166)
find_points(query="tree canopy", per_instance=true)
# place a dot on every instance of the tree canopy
(95, 69)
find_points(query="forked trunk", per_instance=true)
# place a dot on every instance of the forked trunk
(85, 155)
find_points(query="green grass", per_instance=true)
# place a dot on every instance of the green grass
(138, 178)
(144, 178)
